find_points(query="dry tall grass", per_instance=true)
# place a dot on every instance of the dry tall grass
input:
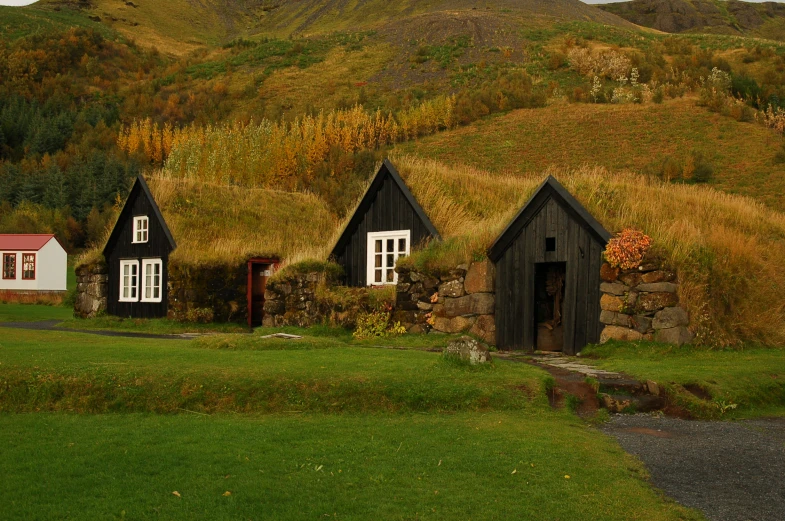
(728, 249)
(220, 224)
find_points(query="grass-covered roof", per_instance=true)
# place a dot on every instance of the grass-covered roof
(228, 224)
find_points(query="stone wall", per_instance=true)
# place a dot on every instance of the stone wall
(643, 304)
(219, 288)
(91, 286)
(307, 299)
(458, 301)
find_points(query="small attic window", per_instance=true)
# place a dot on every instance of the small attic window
(140, 229)
(550, 244)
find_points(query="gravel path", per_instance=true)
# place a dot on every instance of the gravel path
(731, 471)
(51, 325)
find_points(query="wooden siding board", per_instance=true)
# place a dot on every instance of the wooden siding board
(386, 209)
(121, 247)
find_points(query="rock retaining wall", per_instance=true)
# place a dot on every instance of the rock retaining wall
(459, 301)
(218, 289)
(91, 288)
(642, 304)
(311, 298)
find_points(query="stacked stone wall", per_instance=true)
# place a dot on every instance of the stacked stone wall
(461, 300)
(308, 299)
(91, 290)
(643, 304)
(219, 289)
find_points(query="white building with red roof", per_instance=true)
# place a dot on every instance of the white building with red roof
(32, 262)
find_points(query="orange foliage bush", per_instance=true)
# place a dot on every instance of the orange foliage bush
(627, 249)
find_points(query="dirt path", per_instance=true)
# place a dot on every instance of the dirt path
(729, 470)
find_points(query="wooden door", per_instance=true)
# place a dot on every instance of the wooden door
(259, 276)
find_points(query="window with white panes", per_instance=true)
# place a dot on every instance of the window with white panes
(129, 281)
(141, 225)
(151, 280)
(384, 250)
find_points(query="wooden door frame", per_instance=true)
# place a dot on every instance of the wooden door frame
(249, 293)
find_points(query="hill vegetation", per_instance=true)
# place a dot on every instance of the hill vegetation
(723, 246)
(84, 109)
(761, 19)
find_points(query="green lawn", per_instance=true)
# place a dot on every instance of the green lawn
(33, 313)
(751, 378)
(61, 371)
(515, 465)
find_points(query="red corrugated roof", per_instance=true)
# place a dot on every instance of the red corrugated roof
(24, 241)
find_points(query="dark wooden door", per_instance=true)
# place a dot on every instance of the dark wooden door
(259, 275)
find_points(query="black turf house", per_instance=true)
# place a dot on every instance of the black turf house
(387, 223)
(548, 274)
(137, 255)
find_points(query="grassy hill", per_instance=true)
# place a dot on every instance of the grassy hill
(765, 19)
(180, 26)
(618, 137)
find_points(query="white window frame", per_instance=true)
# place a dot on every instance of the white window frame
(144, 230)
(143, 280)
(133, 289)
(371, 255)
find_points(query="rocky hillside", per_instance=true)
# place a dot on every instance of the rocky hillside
(179, 26)
(765, 19)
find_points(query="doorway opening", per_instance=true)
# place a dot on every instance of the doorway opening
(259, 271)
(549, 282)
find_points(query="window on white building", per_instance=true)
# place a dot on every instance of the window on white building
(129, 281)
(151, 280)
(141, 225)
(384, 250)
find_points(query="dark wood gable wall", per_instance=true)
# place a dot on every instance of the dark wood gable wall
(120, 247)
(389, 210)
(515, 276)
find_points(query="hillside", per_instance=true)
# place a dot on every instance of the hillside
(619, 137)
(180, 26)
(765, 19)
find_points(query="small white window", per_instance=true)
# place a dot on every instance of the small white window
(384, 250)
(129, 281)
(151, 280)
(140, 229)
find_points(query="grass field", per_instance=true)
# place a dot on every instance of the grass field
(45, 370)
(33, 313)
(752, 378)
(618, 137)
(539, 465)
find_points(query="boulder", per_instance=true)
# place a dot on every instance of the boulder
(611, 303)
(453, 288)
(614, 404)
(671, 317)
(659, 287)
(614, 288)
(657, 301)
(424, 306)
(468, 349)
(619, 333)
(658, 276)
(430, 283)
(631, 279)
(485, 328)
(438, 310)
(483, 303)
(640, 323)
(455, 307)
(609, 273)
(453, 325)
(611, 318)
(454, 274)
(274, 307)
(418, 329)
(674, 335)
(480, 278)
